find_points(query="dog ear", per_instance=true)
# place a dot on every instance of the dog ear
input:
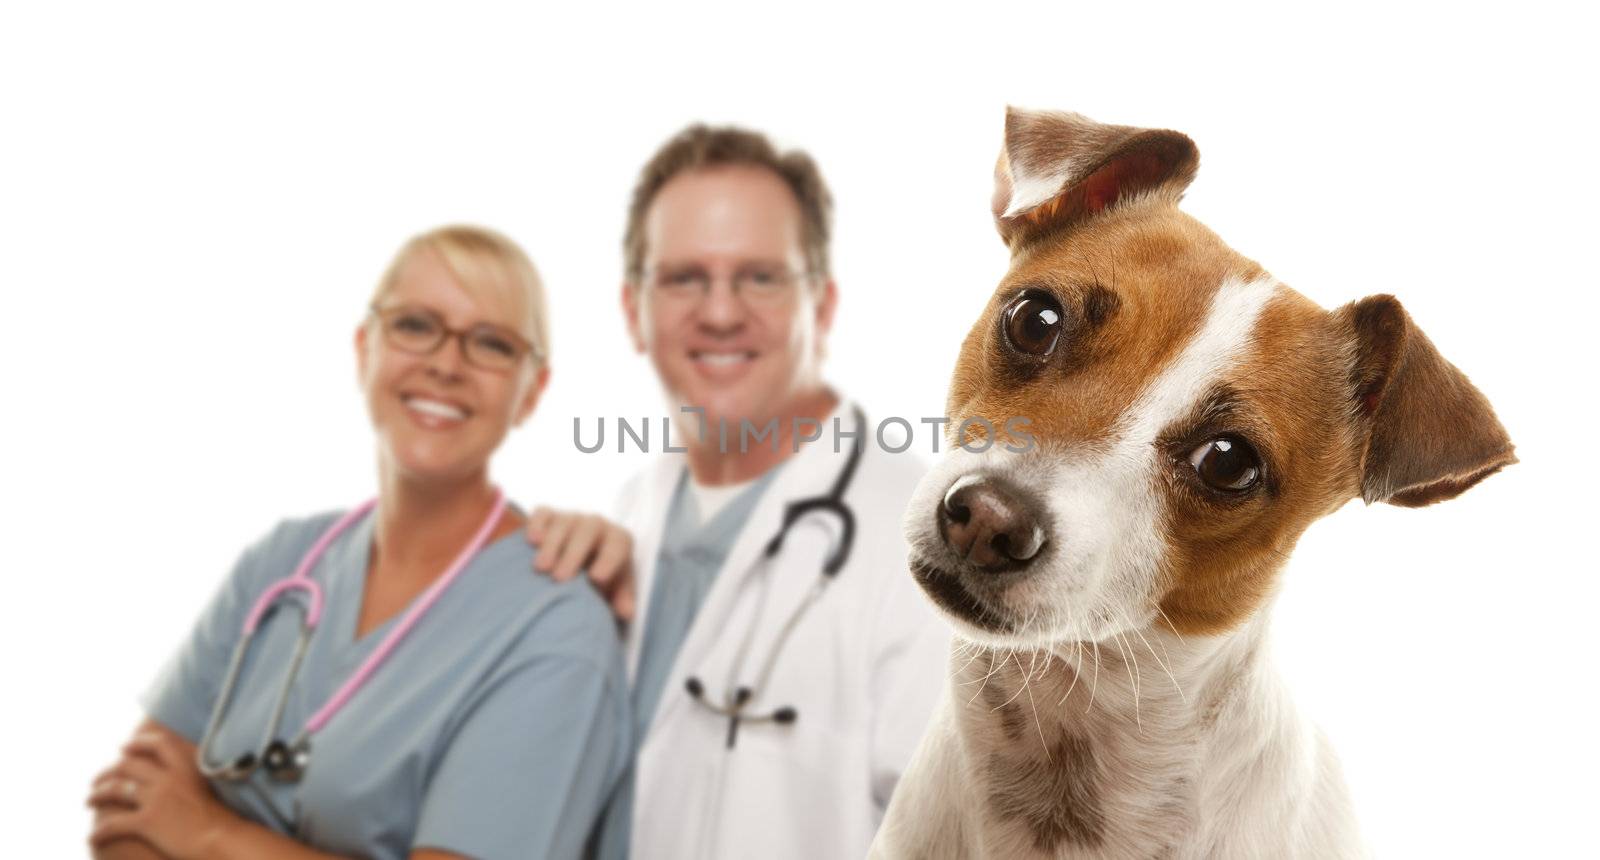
(1431, 433)
(1059, 168)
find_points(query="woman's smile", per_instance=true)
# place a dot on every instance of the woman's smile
(434, 413)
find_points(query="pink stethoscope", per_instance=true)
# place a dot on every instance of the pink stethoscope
(286, 762)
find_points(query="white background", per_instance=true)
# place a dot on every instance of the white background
(194, 205)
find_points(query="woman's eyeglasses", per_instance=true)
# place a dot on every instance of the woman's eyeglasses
(420, 331)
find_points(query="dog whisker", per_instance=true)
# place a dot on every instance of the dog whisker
(1074, 662)
(967, 646)
(1159, 662)
(1133, 658)
(1133, 679)
(1094, 687)
(985, 680)
(1013, 658)
(1045, 745)
(1077, 671)
(1171, 625)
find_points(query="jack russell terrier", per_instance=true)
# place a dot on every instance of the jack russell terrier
(1111, 694)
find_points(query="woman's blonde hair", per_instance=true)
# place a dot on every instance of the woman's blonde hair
(494, 270)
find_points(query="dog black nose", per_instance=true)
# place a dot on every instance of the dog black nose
(989, 525)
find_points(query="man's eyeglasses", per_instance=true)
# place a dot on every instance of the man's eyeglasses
(420, 331)
(761, 284)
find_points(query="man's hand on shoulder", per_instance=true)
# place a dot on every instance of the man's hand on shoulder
(570, 541)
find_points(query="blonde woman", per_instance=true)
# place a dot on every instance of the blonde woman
(446, 703)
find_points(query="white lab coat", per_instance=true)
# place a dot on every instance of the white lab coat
(864, 668)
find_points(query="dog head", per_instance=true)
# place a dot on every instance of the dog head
(1167, 418)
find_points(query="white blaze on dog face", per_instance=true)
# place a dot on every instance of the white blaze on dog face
(1134, 541)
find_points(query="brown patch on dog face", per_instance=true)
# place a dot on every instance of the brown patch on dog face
(1056, 798)
(1134, 286)
(1288, 398)
(1307, 396)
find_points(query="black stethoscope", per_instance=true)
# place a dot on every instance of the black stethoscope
(737, 698)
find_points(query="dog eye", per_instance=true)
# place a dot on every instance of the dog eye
(1227, 463)
(1033, 323)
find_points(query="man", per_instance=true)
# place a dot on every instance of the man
(771, 718)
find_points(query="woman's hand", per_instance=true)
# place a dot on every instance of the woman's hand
(569, 541)
(156, 793)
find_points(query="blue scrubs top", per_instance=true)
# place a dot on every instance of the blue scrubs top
(497, 728)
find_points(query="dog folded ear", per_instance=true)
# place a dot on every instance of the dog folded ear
(1058, 168)
(1431, 433)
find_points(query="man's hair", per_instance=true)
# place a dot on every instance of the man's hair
(700, 146)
